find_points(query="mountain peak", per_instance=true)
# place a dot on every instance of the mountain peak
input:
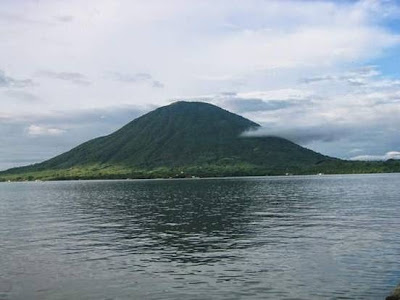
(200, 108)
(186, 134)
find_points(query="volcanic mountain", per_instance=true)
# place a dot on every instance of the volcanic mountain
(182, 135)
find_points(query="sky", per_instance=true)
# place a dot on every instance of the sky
(324, 74)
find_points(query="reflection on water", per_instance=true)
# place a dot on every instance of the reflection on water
(325, 237)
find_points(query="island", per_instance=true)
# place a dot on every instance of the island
(189, 140)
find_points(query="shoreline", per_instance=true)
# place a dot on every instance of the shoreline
(200, 178)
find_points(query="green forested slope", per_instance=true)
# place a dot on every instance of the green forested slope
(184, 138)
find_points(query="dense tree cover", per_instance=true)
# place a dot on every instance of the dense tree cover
(187, 139)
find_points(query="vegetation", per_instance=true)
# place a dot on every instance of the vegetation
(188, 139)
(122, 172)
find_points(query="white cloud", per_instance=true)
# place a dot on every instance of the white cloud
(35, 130)
(356, 150)
(10, 82)
(368, 77)
(280, 94)
(135, 78)
(257, 50)
(388, 155)
(73, 77)
(21, 96)
(181, 43)
(355, 77)
(304, 47)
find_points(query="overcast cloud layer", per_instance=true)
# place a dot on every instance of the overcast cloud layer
(325, 74)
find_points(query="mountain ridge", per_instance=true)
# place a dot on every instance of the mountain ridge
(190, 138)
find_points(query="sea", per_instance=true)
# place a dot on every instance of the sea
(288, 237)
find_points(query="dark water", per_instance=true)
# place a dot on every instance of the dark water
(317, 237)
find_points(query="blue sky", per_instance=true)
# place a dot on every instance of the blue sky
(324, 74)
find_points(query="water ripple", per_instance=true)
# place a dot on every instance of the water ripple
(321, 237)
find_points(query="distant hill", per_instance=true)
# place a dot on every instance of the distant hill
(179, 140)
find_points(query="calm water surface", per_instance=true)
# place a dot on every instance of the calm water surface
(315, 237)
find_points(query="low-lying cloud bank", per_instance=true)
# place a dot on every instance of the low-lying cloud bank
(303, 135)
(35, 130)
(334, 135)
(388, 155)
